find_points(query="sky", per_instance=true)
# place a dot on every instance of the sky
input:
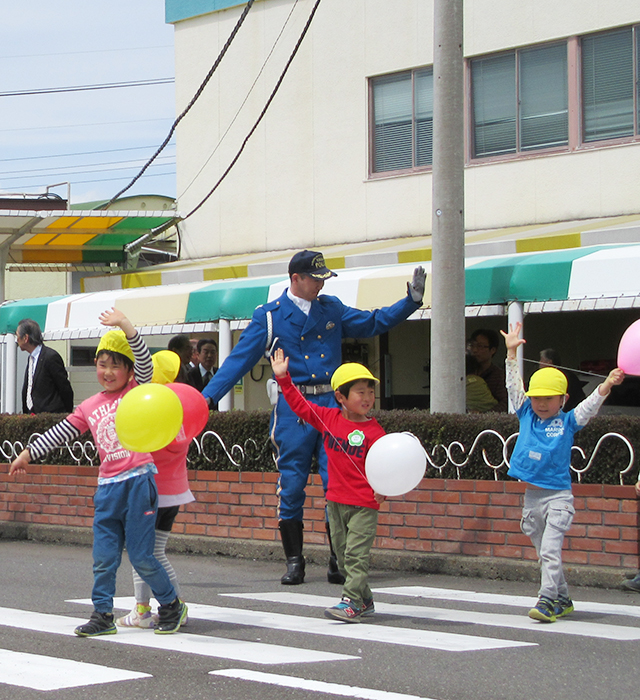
(95, 139)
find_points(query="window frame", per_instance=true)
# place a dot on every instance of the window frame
(518, 154)
(373, 174)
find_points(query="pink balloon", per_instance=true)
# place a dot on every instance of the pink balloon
(194, 407)
(629, 350)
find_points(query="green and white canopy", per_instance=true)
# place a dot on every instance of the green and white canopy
(597, 277)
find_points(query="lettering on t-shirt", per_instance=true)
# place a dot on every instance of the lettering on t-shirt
(555, 428)
(341, 445)
(103, 422)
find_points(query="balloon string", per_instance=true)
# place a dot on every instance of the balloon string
(569, 369)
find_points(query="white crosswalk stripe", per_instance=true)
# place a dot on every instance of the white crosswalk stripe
(215, 647)
(518, 601)
(492, 619)
(40, 672)
(348, 691)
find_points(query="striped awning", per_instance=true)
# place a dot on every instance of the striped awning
(582, 278)
(70, 236)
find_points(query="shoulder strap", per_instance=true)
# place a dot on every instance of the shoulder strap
(267, 350)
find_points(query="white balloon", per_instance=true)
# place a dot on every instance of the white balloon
(395, 464)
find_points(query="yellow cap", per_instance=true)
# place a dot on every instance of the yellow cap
(350, 372)
(116, 341)
(166, 365)
(548, 381)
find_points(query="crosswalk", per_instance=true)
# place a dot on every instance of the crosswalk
(312, 639)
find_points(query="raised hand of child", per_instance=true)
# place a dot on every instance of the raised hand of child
(512, 339)
(279, 363)
(115, 317)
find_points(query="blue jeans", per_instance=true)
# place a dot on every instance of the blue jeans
(296, 443)
(125, 511)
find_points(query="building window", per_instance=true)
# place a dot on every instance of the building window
(402, 117)
(520, 101)
(609, 76)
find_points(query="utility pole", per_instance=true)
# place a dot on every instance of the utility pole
(447, 283)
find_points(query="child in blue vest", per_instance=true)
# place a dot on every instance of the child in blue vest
(542, 459)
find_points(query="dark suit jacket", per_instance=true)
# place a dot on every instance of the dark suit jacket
(194, 377)
(51, 390)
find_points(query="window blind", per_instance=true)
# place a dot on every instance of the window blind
(608, 85)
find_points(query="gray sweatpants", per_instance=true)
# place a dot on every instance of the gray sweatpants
(546, 516)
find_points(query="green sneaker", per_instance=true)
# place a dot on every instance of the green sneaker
(544, 610)
(562, 607)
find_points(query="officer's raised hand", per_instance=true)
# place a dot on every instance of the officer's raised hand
(415, 288)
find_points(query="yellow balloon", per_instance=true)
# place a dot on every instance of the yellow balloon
(148, 418)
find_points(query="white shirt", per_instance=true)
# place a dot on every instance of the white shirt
(302, 304)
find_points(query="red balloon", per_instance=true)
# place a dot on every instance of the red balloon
(194, 407)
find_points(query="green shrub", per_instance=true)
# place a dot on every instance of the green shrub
(248, 448)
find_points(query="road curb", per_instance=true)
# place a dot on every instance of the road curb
(423, 563)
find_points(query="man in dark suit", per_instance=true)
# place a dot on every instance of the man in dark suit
(46, 387)
(200, 375)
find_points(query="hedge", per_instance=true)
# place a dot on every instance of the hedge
(245, 435)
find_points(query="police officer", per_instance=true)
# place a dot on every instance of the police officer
(309, 328)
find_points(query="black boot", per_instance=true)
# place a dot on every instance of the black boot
(333, 573)
(291, 534)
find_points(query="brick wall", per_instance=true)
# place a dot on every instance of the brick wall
(476, 518)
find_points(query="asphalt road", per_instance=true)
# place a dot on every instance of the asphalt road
(444, 638)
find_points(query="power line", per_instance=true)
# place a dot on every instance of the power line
(84, 88)
(102, 179)
(75, 53)
(199, 91)
(83, 153)
(264, 111)
(59, 170)
(54, 127)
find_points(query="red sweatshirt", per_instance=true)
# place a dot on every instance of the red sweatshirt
(346, 443)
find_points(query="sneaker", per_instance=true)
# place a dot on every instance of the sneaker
(563, 606)
(99, 623)
(171, 617)
(345, 611)
(368, 608)
(140, 616)
(544, 610)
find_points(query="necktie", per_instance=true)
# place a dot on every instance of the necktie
(30, 383)
(207, 377)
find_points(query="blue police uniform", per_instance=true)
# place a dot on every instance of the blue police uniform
(313, 345)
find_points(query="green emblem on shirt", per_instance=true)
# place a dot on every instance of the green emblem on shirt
(356, 438)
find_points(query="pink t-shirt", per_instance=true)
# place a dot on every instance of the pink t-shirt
(98, 414)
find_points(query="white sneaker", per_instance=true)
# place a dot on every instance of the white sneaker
(140, 616)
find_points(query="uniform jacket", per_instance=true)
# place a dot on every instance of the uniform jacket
(51, 390)
(312, 343)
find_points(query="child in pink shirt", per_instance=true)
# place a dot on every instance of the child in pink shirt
(126, 500)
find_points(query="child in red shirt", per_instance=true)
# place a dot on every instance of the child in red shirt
(352, 505)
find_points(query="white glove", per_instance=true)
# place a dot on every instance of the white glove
(415, 288)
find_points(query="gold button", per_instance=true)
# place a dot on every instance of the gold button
(327, 373)
(306, 357)
(277, 303)
(302, 338)
(322, 355)
(313, 375)
(319, 337)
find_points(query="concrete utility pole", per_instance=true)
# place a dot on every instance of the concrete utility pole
(447, 283)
